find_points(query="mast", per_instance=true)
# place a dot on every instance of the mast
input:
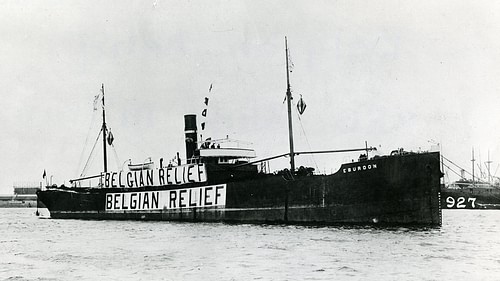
(473, 160)
(289, 104)
(104, 132)
(489, 164)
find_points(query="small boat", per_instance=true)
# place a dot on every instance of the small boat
(142, 166)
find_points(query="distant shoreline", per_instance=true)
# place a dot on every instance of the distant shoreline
(19, 201)
(16, 204)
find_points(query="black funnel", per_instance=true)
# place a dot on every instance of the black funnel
(191, 133)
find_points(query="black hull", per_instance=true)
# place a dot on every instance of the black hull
(471, 198)
(394, 190)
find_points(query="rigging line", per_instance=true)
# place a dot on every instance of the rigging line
(90, 162)
(456, 165)
(273, 136)
(276, 135)
(91, 153)
(86, 142)
(118, 168)
(307, 140)
(450, 169)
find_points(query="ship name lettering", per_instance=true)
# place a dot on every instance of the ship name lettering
(359, 168)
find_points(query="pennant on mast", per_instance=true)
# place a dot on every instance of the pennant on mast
(205, 110)
(96, 101)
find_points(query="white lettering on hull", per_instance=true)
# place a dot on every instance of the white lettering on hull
(360, 168)
(461, 202)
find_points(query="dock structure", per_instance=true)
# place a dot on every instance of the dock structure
(24, 195)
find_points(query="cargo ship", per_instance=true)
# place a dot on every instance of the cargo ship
(221, 182)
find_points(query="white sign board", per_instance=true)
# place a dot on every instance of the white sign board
(176, 175)
(196, 197)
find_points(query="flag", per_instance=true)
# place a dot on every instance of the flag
(203, 126)
(210, 89)
(206, 101)
(301, 105)
(204, 113)
(44, 174)
(96, 101)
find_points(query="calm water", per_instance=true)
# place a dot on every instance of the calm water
(466, 247)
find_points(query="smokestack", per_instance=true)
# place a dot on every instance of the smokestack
(191, 133)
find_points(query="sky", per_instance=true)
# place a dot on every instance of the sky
(393, 73)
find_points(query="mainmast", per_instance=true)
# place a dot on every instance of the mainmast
(104, 132)
(289, 104)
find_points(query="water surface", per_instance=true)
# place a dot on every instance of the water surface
(466, 247)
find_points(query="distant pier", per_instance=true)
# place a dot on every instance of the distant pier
(24, 196)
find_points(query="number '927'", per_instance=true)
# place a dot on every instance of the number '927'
(461, 202)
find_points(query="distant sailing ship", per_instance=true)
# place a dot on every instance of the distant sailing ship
(224, 183)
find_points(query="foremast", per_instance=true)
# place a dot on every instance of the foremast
(105, 137)
(104, 132)
(289, 105)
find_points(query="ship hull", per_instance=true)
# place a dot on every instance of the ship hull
(395, 190)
